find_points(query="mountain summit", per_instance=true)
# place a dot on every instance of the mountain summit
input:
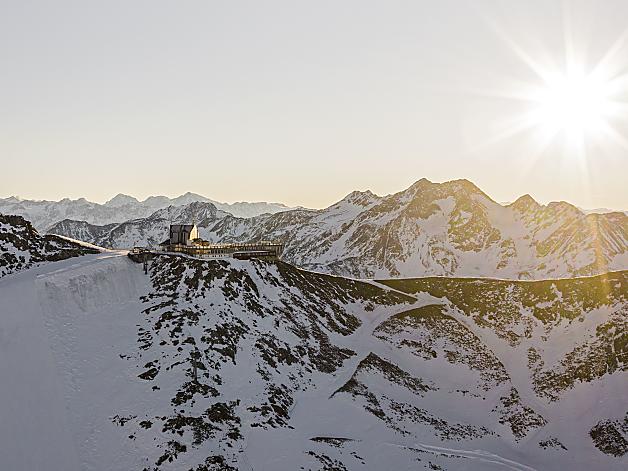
(120, 200)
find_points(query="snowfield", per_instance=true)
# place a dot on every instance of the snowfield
(222, 365)
(62, 327)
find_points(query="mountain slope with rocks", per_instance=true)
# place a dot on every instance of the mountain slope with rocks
(21, 246)
(229, 365)
(442, 229)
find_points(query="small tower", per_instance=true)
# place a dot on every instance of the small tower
(183, 234)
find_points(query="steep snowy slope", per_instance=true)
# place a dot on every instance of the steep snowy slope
(62, 328)
(120, 208)
(563, 342)
(448, 229)
(214, 365)
(21, 246)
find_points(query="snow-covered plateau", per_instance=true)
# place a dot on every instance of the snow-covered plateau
(254, 365)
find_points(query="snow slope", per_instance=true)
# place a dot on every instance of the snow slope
(299, 370)
(62, 327)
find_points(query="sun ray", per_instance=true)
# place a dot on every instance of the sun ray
(610, 57)
(574, 103)
(528, 59)
(611, 133)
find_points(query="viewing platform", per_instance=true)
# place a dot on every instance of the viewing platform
(184, 239)
(267, 250)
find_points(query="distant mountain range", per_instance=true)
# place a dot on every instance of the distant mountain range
(602, 211)
(442, 229)
(120, 208)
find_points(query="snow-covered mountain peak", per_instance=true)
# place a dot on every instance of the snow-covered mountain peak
(188, 198)
(468, 188)
(524, 204)
(361, 199)
(419, 184)
(11, 199)
(197, 211)
(563, 207)
(424, 191)
(120, 200)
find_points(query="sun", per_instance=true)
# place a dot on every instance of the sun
(577, 105)
(572, 104)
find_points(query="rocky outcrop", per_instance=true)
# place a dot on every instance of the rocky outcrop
(21, 246)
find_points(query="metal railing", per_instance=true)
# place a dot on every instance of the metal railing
(212, 250)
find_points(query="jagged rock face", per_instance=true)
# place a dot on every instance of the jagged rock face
(246, 361)
(611, 436)
(85, 231)
(584, 243)
(448, 229)
(21, 246)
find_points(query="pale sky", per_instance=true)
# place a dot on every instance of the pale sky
(298, 101)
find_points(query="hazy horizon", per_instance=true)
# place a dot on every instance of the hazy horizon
(172, 196)
(303, 103)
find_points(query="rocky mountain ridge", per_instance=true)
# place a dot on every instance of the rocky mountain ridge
(21, 246)
(443, 229)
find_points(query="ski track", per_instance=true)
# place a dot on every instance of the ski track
(480, 455)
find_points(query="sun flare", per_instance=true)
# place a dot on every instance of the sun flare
(576, 105)
(574, 99)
